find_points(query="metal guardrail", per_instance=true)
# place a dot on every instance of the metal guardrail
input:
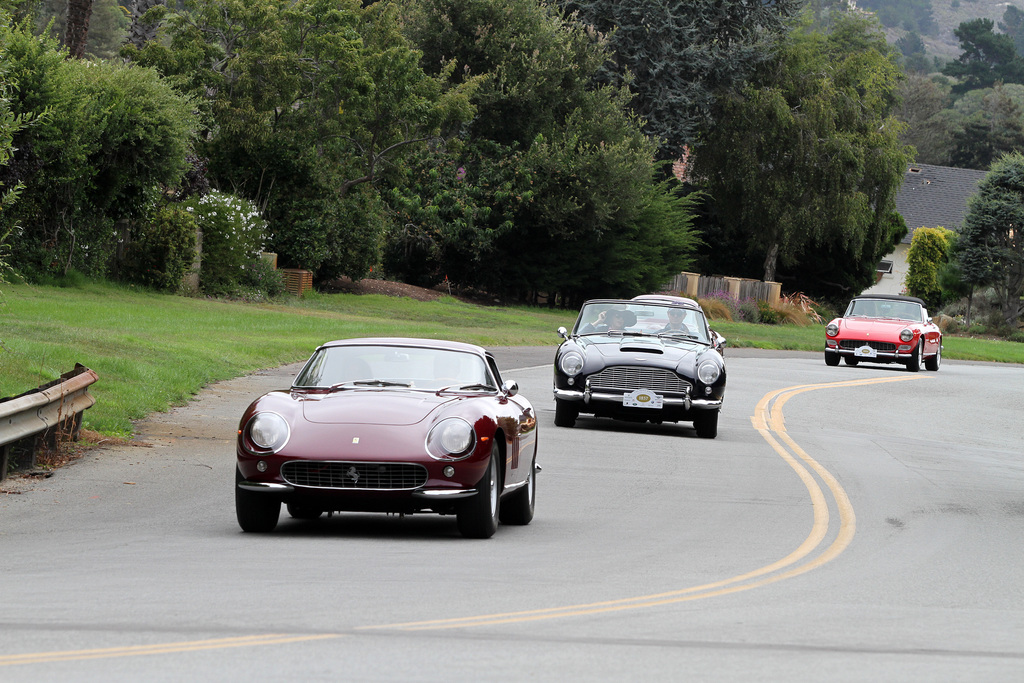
(42, 414)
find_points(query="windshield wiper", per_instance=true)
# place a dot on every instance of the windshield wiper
(678, 333)
(466, 387)
(366, 383)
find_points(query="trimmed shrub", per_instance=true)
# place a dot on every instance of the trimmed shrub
(163, 251)
(929, 251)
(261, 281)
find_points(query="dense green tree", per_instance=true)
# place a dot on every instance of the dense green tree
(106, 30)
(972, 260)
(986, 58)
(10, 184)
(107, 136)
(676, 55)
(552, 187)
(924, 108)
(989, 123)
(1013, 26)
(910, 15)
(807, 161)
(992, 233)
(915, 57)
(310, 104)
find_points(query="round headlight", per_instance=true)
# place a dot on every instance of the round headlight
(709, 372)
(832, 329)
(906, 334)
(451, 439)
(269, 431)
(571, 363)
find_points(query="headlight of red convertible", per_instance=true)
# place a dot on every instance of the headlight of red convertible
(451, 439)
(832, 329)
(906, 334)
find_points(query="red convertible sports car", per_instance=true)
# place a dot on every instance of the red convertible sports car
(390, 425)
(879, 328)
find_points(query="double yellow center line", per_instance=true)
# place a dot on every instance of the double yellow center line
(768, 421)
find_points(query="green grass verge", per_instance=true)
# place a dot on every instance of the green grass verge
(154, 351)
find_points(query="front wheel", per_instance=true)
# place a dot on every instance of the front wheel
(565, 413)
(477, 517)
(850, 361)
(256, 512)
(831, 359)
(517, 508)
(706, 424)
(936, 360)
(914, 364)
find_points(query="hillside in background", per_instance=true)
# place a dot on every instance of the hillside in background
(948, 15)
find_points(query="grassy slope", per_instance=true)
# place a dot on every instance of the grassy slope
(153, 351)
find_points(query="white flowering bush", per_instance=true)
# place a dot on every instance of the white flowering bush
(233, 234)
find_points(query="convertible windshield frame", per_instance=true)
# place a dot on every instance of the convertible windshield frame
(622, 318)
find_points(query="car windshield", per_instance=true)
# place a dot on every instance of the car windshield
(641, 319)
(885, 308)
(360, 367)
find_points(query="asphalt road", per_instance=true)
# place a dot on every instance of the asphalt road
(848, 524)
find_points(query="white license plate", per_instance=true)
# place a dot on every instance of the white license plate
(865, 352)
(642, 398)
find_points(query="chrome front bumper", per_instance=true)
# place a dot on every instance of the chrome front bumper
(596, 396)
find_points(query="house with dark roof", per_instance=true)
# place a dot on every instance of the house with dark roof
(931, 196)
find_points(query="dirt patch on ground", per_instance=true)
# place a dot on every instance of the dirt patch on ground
(346, 285)
(386, 287)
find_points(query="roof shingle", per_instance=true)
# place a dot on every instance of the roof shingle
(935, 195)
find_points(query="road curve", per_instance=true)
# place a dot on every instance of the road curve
(847, 524)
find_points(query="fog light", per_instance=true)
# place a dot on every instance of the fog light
(262, 465)
(707, 391)
(572, 380)
(449, 471)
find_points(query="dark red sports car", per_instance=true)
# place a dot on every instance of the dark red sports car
(390, 425)
(880, 328)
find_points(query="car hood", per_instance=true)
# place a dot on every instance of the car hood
(379, 407)
(876, 325)
(658, 350)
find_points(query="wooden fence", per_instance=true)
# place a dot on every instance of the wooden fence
(698, 286)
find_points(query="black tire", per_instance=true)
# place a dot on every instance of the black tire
(831, 359)
(565, 413)
(303, 511)
(477, 517)
(914, 363)
(850, 361)
(256, 512)
(517, 508)
(706, 424)
(935, 361)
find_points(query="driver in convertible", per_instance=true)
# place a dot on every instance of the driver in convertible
(614, 320)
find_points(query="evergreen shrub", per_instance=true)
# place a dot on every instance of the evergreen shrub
(163, 251)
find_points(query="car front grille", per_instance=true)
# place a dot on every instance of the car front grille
(627, 378)
(851, 344)
(376, 476)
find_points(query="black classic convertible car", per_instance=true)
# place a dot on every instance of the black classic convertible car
(648, 359)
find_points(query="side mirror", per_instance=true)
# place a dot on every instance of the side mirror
(718, 342)
(510, 387)
(563, 333)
